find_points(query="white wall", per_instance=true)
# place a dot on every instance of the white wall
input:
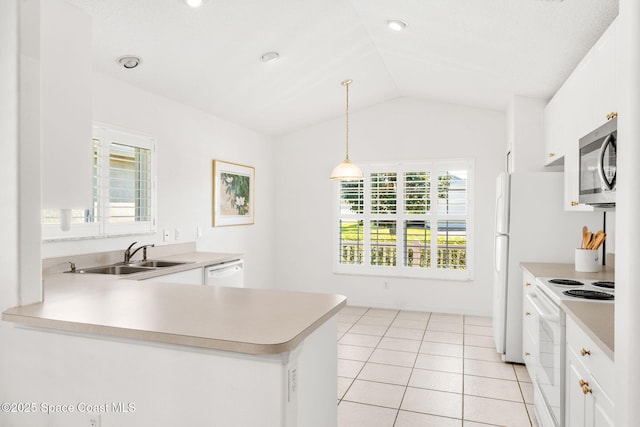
(188, 140)
(402, 129)
(627, 315)
(9, 155)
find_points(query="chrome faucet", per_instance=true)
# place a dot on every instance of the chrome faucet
(128, 254)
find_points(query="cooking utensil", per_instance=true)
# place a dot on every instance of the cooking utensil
(597, 240)
(585, 230)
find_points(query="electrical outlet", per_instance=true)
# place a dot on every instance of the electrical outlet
(178, 234)
(94, 421)
(387, 286)
(165, 235)
(198, 232)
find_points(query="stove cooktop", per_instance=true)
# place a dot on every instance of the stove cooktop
(559, 289)
(605, 285)
(566, 282)
(587, 294)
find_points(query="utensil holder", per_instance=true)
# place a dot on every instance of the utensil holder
(587, 260)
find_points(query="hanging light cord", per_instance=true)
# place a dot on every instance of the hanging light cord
(346, 83)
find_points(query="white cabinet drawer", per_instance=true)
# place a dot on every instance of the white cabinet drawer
(529, 323)
(529, 354)
(594, 359)
(528, 282)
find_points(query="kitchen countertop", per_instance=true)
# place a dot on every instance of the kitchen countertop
(597, 322)
(566, 271)
(242, 320)
(596, 319)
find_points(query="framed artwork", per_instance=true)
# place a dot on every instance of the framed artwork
(233, 193)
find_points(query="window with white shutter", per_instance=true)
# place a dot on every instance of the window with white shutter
(407, 220)
(123, 189)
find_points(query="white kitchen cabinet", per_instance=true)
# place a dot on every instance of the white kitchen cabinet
(187, 277)
(529, 323)
(589, 381)
(554, 130)
(605, 96)
(582, 104)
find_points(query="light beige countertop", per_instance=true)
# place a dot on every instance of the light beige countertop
(242, 320)
(594, 317)
(566, 271)
(596, 320)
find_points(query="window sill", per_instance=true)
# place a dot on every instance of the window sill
(458, 276)
(103, 236)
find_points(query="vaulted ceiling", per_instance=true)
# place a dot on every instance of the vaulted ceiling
(471, 52)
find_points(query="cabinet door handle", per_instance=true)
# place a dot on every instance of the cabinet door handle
(527, 313)
(586, 390)
(574, 203)
(583, 383)
(612, 115)
(527, 284)
(526, 353)
(552, 154)
(585, 352)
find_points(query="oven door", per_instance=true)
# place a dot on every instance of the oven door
(549, 368)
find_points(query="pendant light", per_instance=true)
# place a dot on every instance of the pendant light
(346, 170)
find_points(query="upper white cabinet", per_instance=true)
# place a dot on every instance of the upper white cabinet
(554, 129)
(65, 105)
(582, 104)
(605, 88)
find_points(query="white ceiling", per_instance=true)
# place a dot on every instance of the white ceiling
(470, 52)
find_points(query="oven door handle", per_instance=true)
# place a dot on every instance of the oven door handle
(609, 141)
(540, 312)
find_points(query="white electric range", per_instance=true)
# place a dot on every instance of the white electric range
(548, 355)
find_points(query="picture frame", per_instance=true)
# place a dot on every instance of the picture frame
(233, 194)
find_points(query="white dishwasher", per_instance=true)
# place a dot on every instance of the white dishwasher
(230, 274)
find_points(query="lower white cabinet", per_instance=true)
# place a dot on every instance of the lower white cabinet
(188, 277)
(589, 382)
(529, 323)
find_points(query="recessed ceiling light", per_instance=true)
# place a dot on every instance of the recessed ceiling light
(194, 3)
(129, 61)
(396, 24)
(270, 57)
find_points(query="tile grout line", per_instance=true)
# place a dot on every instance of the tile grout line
(413, 367)
(522, 394)
(354, 379)
(464, 329)
(368, 358)
(406, 387)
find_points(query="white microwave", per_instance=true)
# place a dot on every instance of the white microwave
(598, 169)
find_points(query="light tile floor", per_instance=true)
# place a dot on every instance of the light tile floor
(408, 369)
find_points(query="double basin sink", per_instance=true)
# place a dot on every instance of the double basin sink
(128, 268)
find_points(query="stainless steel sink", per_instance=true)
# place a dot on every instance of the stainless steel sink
(157, 264)
(114, 270)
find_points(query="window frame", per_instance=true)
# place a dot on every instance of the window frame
(434, 167)
(105, 135)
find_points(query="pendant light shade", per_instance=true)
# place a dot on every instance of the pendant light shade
(346, 170)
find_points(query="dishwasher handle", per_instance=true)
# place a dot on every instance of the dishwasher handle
(224, 269)
(228, 274)
(224, 272)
